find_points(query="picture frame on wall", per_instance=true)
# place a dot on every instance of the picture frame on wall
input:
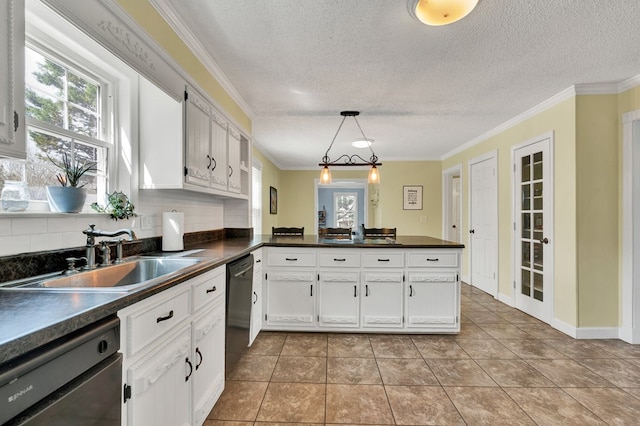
(273, 200)
(412, 197)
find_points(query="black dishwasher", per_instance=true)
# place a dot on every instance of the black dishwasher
(239, 294)
(75, 380)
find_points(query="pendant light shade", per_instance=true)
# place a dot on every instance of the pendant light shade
(441, 12)
(350, 160)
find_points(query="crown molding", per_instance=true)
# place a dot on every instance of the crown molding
(597, 89)
(629, 83)
(167, 10)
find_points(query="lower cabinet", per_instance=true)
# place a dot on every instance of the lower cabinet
(338, 299)
(256, 302)
(432, 299)
(291, 298)
(382, 299)
(173, 347)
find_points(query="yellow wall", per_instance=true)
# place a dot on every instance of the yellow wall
(296, 197)
(149, 19)
(559, 119)
(597, 219)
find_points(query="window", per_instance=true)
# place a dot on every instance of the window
(346, 210)
(256, 197)
(66, 114)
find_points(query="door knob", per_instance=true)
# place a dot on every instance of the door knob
(472, 231)
(453, 226)
(545, 240)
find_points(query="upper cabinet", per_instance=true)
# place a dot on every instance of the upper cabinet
(12, 134)
(214, 153)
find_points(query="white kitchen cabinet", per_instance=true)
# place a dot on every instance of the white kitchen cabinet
(235, 178)
(432, 300)
(12, 120)
(291, 298)
(218, 151)
(338, 299)
(173, 345)
(256, 302)
(208, 358)
(159, 384)
(382, 299)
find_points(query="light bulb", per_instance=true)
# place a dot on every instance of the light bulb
(325, 175)
(374, 175)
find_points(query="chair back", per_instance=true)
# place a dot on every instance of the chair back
(287, 231)
(378, 232)
(335, 232)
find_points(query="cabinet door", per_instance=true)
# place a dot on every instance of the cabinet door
(256, 306)
(160, 385)
(219, 173)
(235, 184)
(291, 298)
(432, 300)
(208, 356)
(338, 299)
(382, 299)
(198, 141)
(12, 133)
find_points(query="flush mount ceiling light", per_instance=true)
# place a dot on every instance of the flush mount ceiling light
(350, 160)
(362, 143)
(441, 12)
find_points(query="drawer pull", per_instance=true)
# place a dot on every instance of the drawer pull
(212, 289)
(311, 290)
(366, 290)
(199, 354)
(383, 260)
(339, 260)
(168, 317)
(258, 260)
(186, 379)
(433, 260)
(355, 291)
(291, 259)
(410, 290)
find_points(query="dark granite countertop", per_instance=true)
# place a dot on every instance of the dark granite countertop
(31, 318)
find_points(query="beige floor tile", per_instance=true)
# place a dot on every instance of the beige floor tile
(357, 346)
(478, 349)
(267, 343)
(356, 371)
(610, 404)
(618, 371)
(543, 331)
(519, 317)
(577, 349)
(485, 317)
(471, 331)
(225, 423)
(422, 405)
(305, 344)
(459, 372)
(389, 346)
(528, 349)
(513, 373)
(293, 402)
(487, 406)
(547, 406)
(239, 401)
(505, 331)
(438, 347)
(405, 371)
(568, 373)
(618, 348)
(358, 404)
(633, 391)
(254, 368)
(300, 369)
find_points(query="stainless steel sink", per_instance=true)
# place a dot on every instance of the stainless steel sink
(126, 276)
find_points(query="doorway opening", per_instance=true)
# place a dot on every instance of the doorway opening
(342, 203)
(452, 204)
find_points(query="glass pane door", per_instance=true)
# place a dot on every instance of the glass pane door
(532, 236)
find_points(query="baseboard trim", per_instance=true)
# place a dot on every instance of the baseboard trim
(506, 299)
(562, 326)
(465, 279)
(597, 333)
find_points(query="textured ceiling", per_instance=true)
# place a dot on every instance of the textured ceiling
(422, 91)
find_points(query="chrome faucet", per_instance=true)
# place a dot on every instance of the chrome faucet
(90, 247)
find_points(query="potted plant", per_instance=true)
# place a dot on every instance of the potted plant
(70, 196)
(118, 206)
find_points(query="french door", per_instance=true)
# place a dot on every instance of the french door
(533, 211)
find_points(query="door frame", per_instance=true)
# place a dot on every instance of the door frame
(630, 298)
(491, 155)
(340, 183)
(549, 191)
(447, 198)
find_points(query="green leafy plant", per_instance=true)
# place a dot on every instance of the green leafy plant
(72, 171)
(118, 206)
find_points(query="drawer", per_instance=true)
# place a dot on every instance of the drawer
(432, 260)
(291, 258)
(257, 258)
(345, 260)
(208, 287)
(378, 259)
(155, 318)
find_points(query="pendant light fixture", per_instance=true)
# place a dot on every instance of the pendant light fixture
(349, 160)
(441, 12)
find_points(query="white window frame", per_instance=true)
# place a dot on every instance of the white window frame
(256, 197)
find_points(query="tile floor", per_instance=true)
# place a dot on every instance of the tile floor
(504, 368)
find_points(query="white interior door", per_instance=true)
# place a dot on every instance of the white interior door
(533, 207)
(483, 229)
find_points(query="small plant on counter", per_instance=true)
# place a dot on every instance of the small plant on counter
(118, 206)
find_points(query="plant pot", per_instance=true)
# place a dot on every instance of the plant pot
(66, 199)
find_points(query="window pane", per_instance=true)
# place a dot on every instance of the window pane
(526, 168)
(40, 171)
(346, 210)
(83, 93)
(44, 75)
(44, 107)
(80, 121)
